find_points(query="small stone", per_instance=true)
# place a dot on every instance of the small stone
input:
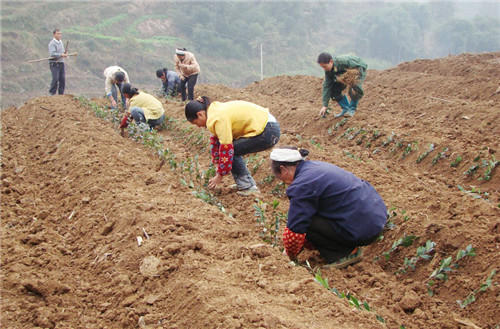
(150, 266)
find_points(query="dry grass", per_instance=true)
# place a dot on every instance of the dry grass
(350, 78)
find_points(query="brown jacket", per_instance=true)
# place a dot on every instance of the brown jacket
(188, 66)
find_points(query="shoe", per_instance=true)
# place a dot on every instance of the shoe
(341, 114)
(353, 258)
(233, 187)
(350, 113)
(254, 190)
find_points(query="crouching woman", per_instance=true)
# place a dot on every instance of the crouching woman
(330, 208)
(238, 128)
(143, 108)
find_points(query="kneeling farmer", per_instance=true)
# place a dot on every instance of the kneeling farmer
(330, 208)
(335, 67)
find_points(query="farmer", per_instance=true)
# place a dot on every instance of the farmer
(170, 81)
(144, 108)
(333, 210)
(332, 86)
(115, 78)
(238, 128)
(187, 68)
(56, 50)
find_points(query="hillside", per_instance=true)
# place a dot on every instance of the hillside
(76, 195)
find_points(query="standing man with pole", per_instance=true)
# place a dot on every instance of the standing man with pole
(56, 50)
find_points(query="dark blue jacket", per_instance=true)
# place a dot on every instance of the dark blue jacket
(172, 80)
(355, 210)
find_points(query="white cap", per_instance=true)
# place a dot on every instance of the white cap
(180, 51)
(286, 155)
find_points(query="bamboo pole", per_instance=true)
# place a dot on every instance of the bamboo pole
(46, 59)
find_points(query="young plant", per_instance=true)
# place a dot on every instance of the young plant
(270, 226)
(490, 166)
(423, 252)
(472, 296)
(446, 266)
(426, 153)
(456, 162)
(404, 241)
(440, 155)
(279, 189)
(317, 144)
(389, 140)
(350, 298)
(350, 155)
(413, 146)
(474, 192)
(472, 169)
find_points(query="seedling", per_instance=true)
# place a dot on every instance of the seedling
(404, 241)
(422, 253)
(490, 166)
(472, 296)
(441, 273)
(350, 155)
(426, 153)
(456, 162)
(409, 148)
(269, 226)
(350, 298)
(475, 193)
(472, 169)
(279, 189)
(440, 155)
(317, 144)
(268, 179)
(388, 140)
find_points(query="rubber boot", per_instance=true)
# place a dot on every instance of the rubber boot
(352, 108)
(344, 104)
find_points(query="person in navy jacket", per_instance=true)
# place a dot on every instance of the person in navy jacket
(330, 208)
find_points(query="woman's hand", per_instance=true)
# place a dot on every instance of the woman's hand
(213, 182)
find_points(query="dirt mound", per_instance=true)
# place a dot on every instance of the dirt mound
(98, 232)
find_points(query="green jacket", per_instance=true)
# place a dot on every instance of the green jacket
(331, 87)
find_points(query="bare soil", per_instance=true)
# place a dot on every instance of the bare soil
(76, 195)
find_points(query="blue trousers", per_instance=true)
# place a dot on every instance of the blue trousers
(138, 115)
(114, 93)
(267, 139)
(58, 78)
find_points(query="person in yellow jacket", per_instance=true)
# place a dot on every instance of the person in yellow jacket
(143, 108)
(188, 69)
(238, 128)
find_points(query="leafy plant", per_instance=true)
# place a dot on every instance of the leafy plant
(352, 156)
(269, 225)
(317, 144)
(279, 189)
(440, 155)
(490, 166)
(350, 298)
(404, 241)
(474, 192)
(409, 148)
(456, 162)
(446, 265)
(426, 153)
(472, 169)
(389, 140)
(422, 253)
(472, 296)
